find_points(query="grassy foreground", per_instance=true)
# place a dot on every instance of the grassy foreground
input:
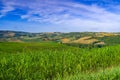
(53, 61)
(112, 73)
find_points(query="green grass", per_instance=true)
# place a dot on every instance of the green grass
(49, 61)
(112, 73)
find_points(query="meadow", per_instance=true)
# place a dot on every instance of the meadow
(54, 61)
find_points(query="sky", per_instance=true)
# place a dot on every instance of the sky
(60, 15)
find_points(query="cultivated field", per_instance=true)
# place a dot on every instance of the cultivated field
(54, 61)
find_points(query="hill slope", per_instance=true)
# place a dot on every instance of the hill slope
(72, 37)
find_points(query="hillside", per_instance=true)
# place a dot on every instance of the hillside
(102, 38)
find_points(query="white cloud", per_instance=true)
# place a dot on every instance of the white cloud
(6, 8)
(70, 14)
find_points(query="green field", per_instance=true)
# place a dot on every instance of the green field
(54, 61)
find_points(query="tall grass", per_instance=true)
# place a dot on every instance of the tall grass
(112, 73)
(48, 61)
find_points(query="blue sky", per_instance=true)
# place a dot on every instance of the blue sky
(60, 15)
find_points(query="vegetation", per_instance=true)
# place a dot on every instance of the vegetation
(71, 37)
(108, 74)
(54, 61)
(59, 56)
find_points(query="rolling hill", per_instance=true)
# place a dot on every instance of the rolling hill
(103, 38)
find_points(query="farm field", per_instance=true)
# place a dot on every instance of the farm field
(54, 61)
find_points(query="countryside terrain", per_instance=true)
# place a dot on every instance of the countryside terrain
(71, 37)
(59, 56)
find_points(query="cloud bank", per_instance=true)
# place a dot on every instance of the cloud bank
(70, 14)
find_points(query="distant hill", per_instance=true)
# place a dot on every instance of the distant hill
(71, 37)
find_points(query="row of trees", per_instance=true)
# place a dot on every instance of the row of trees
(89, 46)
